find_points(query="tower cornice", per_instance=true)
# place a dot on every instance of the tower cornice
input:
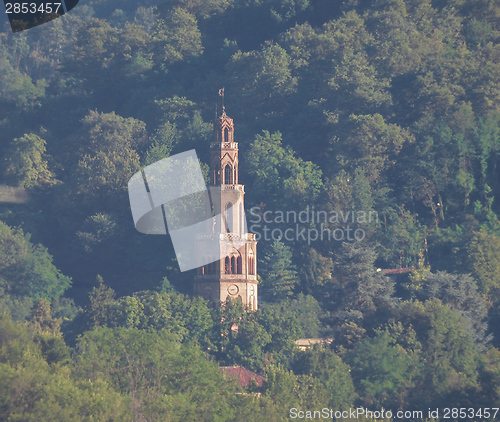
(224, 145)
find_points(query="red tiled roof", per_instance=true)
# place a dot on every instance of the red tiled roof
(242, 375)
(397, 271)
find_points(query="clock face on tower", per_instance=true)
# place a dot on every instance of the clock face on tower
(233, 289)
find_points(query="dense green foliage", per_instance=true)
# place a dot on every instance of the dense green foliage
(380, 117)
(27, 269)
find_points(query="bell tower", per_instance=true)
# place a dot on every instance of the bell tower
(234, 274)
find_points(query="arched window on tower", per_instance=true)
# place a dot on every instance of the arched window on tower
(216, 175)
(229, 217)
(228, 175)
(227, 265)
(239, 269)
(226, 134)
(233, 265)
(251, 263)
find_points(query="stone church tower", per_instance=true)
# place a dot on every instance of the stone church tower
(235, 274)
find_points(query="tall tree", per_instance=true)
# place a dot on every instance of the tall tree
(357, 288)
(175, 36)
(448, 350)
(280, 178)
(277, 272)
(459, 292)
(26, 163)
(484, 262)
(383, 372)
(263, 78)
(101, 299)
(324, 365)
(27, 269)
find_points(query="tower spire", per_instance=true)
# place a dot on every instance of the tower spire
(233, 274)
(221, 94)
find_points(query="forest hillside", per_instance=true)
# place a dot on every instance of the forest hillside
(379, 121)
